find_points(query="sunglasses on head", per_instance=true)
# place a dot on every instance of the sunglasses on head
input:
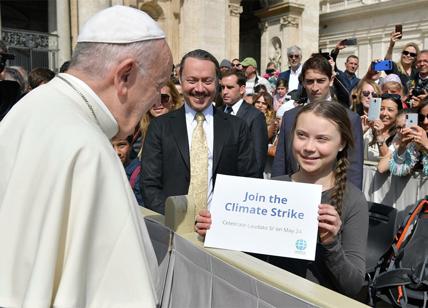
(165, 99)
(294, 56)
(408, 53)
(367, 93)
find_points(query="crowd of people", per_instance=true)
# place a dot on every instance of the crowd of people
(312, 123)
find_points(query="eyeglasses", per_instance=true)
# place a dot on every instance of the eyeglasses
(236, 64)
(367, 94)
(408, 53)
(421, 118)
(294, 56)
(165, 99)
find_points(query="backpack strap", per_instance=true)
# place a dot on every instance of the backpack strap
(134, 176)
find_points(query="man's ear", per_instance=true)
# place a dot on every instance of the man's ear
(242, 90)
(123, 76)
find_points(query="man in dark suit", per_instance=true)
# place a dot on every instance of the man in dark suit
(294, 55)
(166, 159)
(232, 91)
(317, 78)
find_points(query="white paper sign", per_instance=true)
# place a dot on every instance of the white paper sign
(264, 216)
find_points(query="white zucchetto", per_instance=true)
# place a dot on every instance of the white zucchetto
(120, 25)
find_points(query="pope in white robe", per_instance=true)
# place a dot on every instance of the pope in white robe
(71, 232)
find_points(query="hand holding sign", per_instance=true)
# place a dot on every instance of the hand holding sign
(256, 215)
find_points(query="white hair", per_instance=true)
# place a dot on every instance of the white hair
(294, 50)
(97, 59)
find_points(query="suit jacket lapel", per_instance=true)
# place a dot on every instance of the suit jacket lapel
(179, 131)
(242, 110)
(220, 134)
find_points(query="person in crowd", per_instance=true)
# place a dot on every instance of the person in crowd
(412, 151)
(264, 102)
(249, 65)
(38, 76)
(400, 124)
(169, 100)
(392, 85)
(364, 92)
(321, 138)
(236, 64)
(185, 149)
(281, 98)
(379, 134)
(232, 92)
(225, 65)
(12, 74)
(271, 74)
(316, 76)
(347, 78)
(420, 90)
(405, 68)
(123, 149)
(294, 55)
(65, 198)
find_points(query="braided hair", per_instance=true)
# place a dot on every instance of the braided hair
(336, 113)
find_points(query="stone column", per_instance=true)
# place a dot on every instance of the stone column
(235, 10)
(63, 30)
(203, 25)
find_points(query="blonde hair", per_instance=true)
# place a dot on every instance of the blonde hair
(399, 65)
(176, 103)
(356, 92)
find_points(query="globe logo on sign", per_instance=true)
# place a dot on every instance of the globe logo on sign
(301, 245)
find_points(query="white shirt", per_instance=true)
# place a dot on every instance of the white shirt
(293, 82)
(209, 133)
(251, 83)
(235, 107)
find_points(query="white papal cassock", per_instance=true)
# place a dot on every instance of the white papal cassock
(71, 234)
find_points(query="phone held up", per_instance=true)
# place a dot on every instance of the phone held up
(411, 119)
(374, 109)
(385, 65)
(350, 41)
(399, 28)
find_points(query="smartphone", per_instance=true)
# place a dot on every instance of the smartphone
(374, 108)
(399, 28)
(411, 119)
(385, 65)
(350, 41)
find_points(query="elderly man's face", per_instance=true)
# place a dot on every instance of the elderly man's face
(145, 90)
(294, 60)
(422, 63)
(198, 83)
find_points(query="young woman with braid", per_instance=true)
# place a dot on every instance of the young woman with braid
(321, 138)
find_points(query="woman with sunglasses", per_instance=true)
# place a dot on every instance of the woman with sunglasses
(405, 68)
(364, 92)
(378, 138)
(170, 100)
(412, 152)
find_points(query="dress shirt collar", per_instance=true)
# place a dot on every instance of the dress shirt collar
(298, 71)
(105, 118)
(190, 113)
(235, 107)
